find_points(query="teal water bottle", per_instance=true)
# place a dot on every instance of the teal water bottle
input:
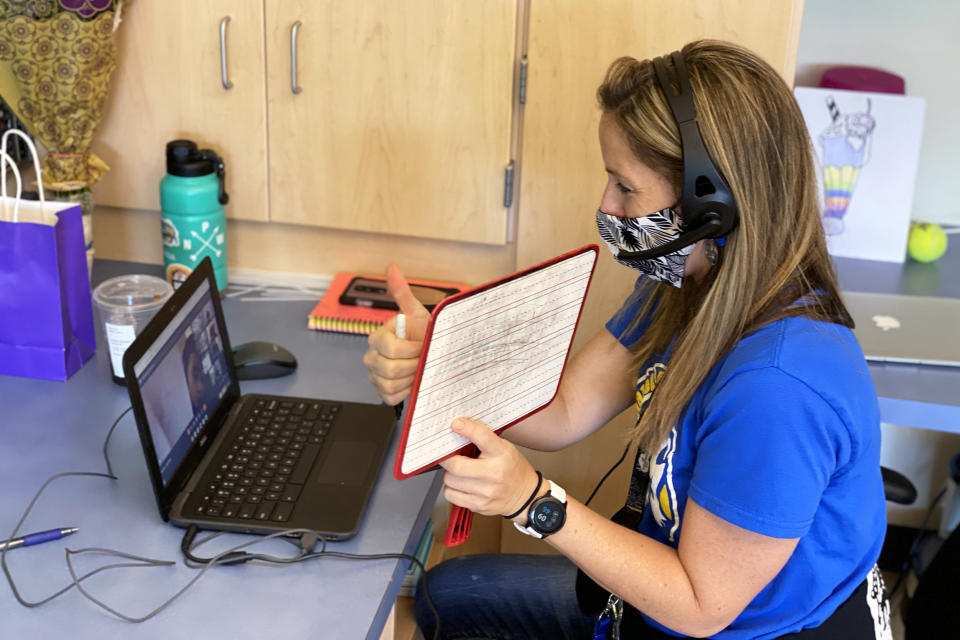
(194, 223)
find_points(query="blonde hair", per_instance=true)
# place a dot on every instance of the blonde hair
(775, 263)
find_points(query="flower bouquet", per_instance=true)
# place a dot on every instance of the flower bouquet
(56, 59)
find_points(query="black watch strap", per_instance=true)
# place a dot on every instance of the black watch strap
(533, 495)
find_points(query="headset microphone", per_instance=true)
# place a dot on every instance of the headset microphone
(707, 206)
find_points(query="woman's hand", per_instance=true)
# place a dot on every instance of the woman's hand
(497, 482)
(393, 361)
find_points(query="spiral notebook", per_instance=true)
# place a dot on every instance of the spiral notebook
(330, 315)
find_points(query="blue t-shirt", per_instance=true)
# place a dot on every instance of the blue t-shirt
(783, 439)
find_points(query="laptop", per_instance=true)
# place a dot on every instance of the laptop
(906, 329)
(247, 463)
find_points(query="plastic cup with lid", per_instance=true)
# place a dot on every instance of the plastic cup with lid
(125, 305)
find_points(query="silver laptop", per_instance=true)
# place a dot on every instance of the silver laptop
(908, 329)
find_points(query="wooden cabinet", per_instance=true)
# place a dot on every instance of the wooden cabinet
(168, 85)
(401, 123)
(402, 120)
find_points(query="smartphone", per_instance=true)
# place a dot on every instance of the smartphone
(372, 292)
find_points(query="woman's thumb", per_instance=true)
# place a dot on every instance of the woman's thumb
(417, 314)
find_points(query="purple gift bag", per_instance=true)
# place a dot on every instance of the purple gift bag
(46, 314)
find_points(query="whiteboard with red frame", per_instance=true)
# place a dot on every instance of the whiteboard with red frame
(495, 354)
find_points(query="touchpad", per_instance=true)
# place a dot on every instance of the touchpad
(347, 463)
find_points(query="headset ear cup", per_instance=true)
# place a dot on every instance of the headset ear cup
(727, 219)
(716, 219)
(718, 210)
(713, 223)
(731, 218)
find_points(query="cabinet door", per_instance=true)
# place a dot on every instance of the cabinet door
(402, 121)
(168, 86)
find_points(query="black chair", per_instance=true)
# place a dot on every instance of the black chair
(897, 487)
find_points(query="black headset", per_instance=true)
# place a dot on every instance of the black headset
(707, 206)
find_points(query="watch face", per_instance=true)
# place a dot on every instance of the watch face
(548, 516)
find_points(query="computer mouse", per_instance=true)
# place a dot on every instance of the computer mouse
(254, 360)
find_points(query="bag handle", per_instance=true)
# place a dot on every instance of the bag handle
(33, 152)
(4, 159)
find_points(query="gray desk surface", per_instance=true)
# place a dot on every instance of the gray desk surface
(50, 427)
(912, 395)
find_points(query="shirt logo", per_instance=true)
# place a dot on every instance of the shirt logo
(661, 496)
(646, 384)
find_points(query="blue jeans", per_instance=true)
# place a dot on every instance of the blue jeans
(503, 597)
(514, 596)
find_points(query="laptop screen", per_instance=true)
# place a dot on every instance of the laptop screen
(182, 378)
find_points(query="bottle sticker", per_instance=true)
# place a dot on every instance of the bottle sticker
(177, 273)
(119, 337)
(171, 235)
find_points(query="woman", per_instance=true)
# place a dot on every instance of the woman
(756, 508)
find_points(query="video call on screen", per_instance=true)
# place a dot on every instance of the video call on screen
(183, 383)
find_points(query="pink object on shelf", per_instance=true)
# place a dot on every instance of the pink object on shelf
(863, 79)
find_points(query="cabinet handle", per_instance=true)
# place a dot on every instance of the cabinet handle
(223, 54)
(293, 57)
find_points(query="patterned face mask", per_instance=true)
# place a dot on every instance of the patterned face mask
(640, 234)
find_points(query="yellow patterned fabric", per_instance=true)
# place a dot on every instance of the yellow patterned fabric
(56, 59)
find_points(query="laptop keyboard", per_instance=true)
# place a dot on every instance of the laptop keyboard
(261, 475)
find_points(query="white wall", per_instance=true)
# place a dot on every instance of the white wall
(917, 40)
(920, 41)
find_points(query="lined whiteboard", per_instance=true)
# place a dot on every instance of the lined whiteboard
(495, 356)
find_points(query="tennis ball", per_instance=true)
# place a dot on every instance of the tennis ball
(927, 242)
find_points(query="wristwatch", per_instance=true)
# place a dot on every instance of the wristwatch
(546, 514)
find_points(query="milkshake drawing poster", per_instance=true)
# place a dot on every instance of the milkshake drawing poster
(867, 146)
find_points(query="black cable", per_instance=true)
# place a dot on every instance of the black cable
(308, 540)
(3, 554)
(908, 560)
(186, 546)
(607, 475)
(106, 442)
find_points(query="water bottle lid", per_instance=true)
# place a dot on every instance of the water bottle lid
(184, 161)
